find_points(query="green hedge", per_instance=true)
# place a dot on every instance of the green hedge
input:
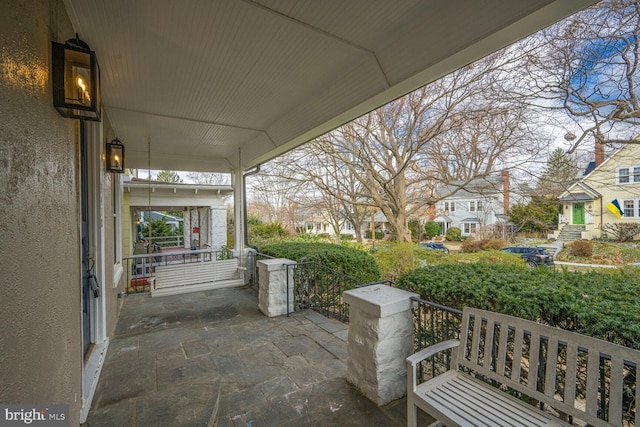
(605, 305)
(350, 261)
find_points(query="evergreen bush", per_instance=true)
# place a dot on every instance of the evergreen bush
(599, 304)
(454, 234)
(432, 229)
(353, 262)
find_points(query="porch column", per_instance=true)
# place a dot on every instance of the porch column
(380, 339)
(238, 211)
(272, 295)
(218, 226)
(186, 228)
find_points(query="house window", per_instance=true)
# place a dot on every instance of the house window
(475, 206)
(469, 228)
(629, 208)
(629, 175)
(450, 206)
(623, 175)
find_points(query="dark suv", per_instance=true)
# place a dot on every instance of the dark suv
(534, 255)
(434, 246)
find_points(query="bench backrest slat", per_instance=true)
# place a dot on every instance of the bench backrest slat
(548, 365)
(593, 364)
(532, 377)
(502, 361)
(570, 379)
(550, 368)
(488, 354)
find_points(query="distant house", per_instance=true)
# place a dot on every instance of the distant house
(481, 203)
(585, 203)
(172, 221)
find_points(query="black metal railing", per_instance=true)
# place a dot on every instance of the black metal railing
(139, 269)
(434, 323)
(252, 267)
(319, 288)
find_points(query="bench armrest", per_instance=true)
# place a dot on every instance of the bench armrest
(414, 359)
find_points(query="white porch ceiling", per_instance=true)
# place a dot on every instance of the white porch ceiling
(217, 85)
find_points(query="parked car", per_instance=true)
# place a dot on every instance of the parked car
(434, 246)
(535, 256)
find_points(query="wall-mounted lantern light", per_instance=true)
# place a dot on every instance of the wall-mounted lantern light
(76, 80)
(115, 156)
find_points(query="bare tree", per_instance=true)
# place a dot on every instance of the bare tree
(276, 193)
(336, 193)
(210, 178)
(458, 128)
(587, 66)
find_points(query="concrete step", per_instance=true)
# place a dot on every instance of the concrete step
(570, 233)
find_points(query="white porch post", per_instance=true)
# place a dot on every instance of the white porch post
(186, 228)
(238, 211)
(380, 340)
(218, 228)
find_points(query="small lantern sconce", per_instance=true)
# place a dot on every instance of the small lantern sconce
(115, 156)
(76, 80)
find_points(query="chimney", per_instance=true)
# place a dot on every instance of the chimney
(599, 149)
(505, 190)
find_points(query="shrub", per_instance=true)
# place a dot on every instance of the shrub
(599, 304)
(454, 234)
(582, 248)
(350, 261)
(266, 231)
(471, 245)
(495, 244)
(620, 231)
(417, 231)
(379, 235)
(395, 258)
(432, 229)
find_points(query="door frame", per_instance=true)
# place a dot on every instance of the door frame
(90, 133)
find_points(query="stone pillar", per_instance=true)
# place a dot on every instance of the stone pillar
(218, 228)
(380, 340)
(186, 228)
(272, 295)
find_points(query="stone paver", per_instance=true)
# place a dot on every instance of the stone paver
(212, 358)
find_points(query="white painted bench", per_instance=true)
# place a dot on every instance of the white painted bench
(173, 279)
(559, 370)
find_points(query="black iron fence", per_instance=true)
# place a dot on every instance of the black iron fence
(319, 288)
(434, 323)
(252, 267)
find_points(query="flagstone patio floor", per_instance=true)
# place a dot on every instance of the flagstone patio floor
(213, 359)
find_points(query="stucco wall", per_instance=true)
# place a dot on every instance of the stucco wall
(604, 181)
(40, 327)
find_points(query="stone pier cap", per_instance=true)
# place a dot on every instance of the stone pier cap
(379, 300)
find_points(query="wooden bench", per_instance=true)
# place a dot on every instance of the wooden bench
(570, 376)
